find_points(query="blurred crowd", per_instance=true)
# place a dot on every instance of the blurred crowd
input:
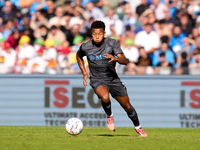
(157, 36)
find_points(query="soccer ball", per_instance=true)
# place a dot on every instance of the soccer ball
(74, 126)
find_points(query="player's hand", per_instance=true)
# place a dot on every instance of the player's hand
(85, 77)
(112, 58)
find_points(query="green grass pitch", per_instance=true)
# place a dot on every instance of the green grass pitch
(98, 138)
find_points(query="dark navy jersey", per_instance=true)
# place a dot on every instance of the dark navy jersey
(99, 65)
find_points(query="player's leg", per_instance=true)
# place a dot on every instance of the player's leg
(103, 93)
(132, 114)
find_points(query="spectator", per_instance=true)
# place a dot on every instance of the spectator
(68, 9)
(24, 23)
(142, 7)
(13, 38)
(194, 8)
(79, 14)
(72, 56)
(67, 29)
(50, 55)
(38, 19)
(85, 29)
(50, 52)
(26, 52)
(186, 49)
(128, 35)
(130, 51)
(129, 69)
(58, 20)
(75, 19)
(8, 29)
(41, 32)
(170, 21)
(195, 33)
(163, 67)
(186, 26)
(77, 41)
(169, 55)
(152, 18)
(194, 65)
(114, 34)
(129, 19)
(148, 39)
(63, 59)
(94, 12)
(149, 17)
(181, 11)
(51, 8)
(184, 62)
(144, 21)
(16, 3)
(163, 29)
(112, 19)
(56, 34)
(184, 65)
(75, 31)
(9, 58)
(38, 5)
(123, 5)
(27, 30)
(7, 13)
(37, 44)
(158, 7)
(176, 42)
(144, 59)
(105, 5)
(144, 62)
(38, 63)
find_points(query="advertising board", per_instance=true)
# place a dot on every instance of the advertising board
(164, 102)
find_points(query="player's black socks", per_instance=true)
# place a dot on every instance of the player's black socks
(107, 107)
(134, 117)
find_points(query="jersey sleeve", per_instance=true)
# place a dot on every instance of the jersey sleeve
(116, 48)
(80, 52)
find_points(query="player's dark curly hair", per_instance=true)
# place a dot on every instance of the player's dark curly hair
(98, 25)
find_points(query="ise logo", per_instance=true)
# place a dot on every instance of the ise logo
(194, 94)
(61, 99)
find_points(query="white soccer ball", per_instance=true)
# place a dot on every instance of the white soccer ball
(74, 126)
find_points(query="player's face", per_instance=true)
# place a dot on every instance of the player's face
(97, 35)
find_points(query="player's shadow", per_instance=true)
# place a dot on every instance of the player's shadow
(111, 135)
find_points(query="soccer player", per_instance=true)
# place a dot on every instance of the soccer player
(102, 54)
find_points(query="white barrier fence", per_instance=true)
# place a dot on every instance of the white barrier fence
(161, 101)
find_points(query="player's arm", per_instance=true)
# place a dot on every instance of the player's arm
(120, 58)
(83, 70)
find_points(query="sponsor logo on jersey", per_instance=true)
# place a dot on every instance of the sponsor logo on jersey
(97, 57)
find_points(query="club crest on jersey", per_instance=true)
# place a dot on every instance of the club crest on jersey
(91, 57)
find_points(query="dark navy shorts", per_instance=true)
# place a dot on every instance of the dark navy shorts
(116, 88)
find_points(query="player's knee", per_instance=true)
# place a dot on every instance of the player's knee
(128, 107)
(105, 97)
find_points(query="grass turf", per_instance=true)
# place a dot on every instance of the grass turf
(53, 138)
